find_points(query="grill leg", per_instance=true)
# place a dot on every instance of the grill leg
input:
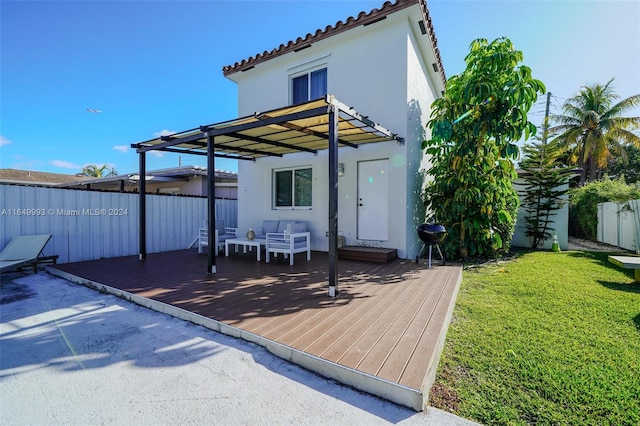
(441, 256)
(430, 248)
(420, 254)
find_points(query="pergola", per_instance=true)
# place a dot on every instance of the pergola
(320, 124)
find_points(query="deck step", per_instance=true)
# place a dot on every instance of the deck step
(367, 254)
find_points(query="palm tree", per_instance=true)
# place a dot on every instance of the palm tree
(592, 131)
(93, 170)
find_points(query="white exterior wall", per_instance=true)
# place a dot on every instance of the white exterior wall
(377, 71)
(420, 96)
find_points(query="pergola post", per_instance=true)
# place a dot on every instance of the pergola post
(211, 206)
(142, 189)
(333, 200)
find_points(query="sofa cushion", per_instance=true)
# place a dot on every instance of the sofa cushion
(295, 228)
(270, 226)
(284, 224)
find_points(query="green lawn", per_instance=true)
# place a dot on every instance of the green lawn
(548, 338)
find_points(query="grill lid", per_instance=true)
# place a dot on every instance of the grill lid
(432, 233)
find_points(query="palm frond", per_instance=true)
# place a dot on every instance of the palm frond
(628, 137)
(623, 106)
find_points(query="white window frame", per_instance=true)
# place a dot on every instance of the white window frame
(274, 189)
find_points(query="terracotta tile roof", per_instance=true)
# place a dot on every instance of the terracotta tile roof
(34, 177)
(351, 22)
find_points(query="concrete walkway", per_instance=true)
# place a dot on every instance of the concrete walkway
(580, 244)
(70, 355)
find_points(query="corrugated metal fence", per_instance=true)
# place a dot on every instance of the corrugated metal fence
(619, 224)
(88, 225)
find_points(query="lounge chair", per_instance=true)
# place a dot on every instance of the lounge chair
(25, 251)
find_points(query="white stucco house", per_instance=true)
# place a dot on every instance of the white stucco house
(385, 64)
(329, 132)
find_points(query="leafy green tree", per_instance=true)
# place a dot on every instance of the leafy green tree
(630, 170)
(594, 131)
(545, 189)
(93, 170)
(474, 128)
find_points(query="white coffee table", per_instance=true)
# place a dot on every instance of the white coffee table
(256, 242)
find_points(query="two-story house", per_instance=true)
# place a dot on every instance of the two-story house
(384, 64)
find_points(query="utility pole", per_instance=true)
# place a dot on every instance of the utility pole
(545, 123)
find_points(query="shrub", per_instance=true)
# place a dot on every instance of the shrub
(583, 207)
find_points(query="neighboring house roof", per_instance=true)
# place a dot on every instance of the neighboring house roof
(175, 173)
(363, 18)
(36, 178)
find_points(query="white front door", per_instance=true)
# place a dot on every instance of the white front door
(373, 200)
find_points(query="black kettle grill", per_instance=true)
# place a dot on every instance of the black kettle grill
(431, 234)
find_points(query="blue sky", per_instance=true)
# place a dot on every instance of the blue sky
(154, 66)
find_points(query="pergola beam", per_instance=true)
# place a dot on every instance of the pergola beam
(310, 132)
(347, 110)
(251, 151)
(260, 122)
(190, 151)
(272, 143)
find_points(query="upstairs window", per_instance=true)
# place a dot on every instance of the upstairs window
(292, 188)
(306, 87)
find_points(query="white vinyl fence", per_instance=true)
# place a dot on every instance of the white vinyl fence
(89, 225)
(619, 224)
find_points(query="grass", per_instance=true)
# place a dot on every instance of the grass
(548, 338)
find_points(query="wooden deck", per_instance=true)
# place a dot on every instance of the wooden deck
(388, 322)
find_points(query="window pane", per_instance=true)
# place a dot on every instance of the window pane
(283, 189)
(300, 89)
(303, 187)
(318, 83)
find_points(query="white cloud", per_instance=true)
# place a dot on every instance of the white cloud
(65, 164)
(4, 141)
(163, 132)
(25, 163)
(122, 148)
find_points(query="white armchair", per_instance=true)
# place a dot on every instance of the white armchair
(289, 243)
(203, 236)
